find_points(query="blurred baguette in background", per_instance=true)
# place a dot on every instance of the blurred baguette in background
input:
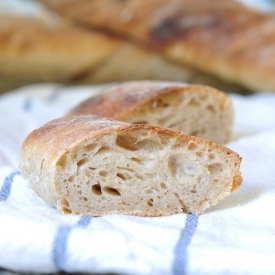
(221, 38)
(34, 50)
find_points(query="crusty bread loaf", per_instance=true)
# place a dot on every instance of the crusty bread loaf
(96, 166)
(223, 38)
(51, 50)
(196, 110)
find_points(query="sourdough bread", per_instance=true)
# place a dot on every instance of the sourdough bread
(96, 166)
(194, 109)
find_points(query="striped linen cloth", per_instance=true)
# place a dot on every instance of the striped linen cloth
(235, 237)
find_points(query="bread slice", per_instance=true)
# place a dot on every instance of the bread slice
(222, 38)
(196, 110)
(96, 166)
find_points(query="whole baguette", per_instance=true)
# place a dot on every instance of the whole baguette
(196, 110)
(222, 38)
(96, 166)
(53, 50)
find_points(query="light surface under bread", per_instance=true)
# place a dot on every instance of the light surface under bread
(196, 110)
(223, 38)
(96, 166)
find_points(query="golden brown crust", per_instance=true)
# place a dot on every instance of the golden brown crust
(118, 101)
(38, 50)
(52, 50)
(223, 38)
(237, 181)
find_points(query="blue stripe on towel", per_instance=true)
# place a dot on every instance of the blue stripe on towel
(84, 221)
(54, 95)
(6, 187)
(27, 104)
(61, 240)
(180, 250)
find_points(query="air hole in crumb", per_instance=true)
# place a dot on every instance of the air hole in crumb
(96, 189)
(92, 168)
(199, 154)
(211, 108)
(211, 156)
(66, 206)
(120, 175)
(215, 168)
(90, 147)
(82, 162)
(61, 162)
(193, 191)
(132, 144)
(163, 185)
(176, 195)
(126, 142)
(138, 176)
(136, 160)
(151, 200)
(192, 146)
(102, 150)
(64, 202)
(179, 167)
(111, 191)
(194, 102)
(85, 199)
(103, 173)
(149, 203)
(71, 178)
(181, 203)
(203, 97)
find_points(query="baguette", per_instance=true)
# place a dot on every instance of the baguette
(97, 166)
(35, 50)
(196, 110)
(223, 38)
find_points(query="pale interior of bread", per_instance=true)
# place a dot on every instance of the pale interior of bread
(141, 172)
(198, 113)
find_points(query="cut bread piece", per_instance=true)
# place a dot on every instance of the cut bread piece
(194, 109)
(96, 166)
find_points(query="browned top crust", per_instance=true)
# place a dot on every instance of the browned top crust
(118, 101)
(224, 38)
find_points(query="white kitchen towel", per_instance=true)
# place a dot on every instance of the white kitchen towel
(235, 237)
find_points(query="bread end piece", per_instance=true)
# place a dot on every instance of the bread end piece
(197, 110)
(96, 166)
